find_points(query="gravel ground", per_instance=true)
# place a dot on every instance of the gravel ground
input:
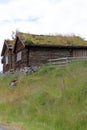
(1, 128)
(8, 128)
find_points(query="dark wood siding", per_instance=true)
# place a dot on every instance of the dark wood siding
(79, 52)
(24, 60)
(19, 46)
(41, 55)
(9, 66)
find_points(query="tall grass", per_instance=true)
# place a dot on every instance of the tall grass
(53, 98)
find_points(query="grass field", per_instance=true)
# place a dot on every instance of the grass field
(53, 98)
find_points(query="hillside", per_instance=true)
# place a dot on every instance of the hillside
(53, 98)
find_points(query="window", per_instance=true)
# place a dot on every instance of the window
(6, 60)
(19, 56)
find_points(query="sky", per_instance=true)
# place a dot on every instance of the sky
(65, 17)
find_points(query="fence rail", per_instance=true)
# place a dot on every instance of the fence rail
(65, 60)
(58, 61)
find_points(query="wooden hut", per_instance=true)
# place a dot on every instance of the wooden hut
(35, 50)
(7, 55)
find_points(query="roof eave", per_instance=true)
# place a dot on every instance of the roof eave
(60, 46)
(3, 49)
(16, 39)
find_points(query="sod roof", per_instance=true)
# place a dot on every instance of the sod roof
(32, 39)
(10, 43)
(7, 44)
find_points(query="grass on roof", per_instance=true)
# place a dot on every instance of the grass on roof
(53, 39)
(10, 43)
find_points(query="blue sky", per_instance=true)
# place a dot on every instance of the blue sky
(43, 17)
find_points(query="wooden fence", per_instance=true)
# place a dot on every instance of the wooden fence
(65, 60)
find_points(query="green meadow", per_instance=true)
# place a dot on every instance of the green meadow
(53, 98)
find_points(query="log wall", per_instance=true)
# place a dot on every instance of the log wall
(24, 60)
(79, 52)
(40, 56)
